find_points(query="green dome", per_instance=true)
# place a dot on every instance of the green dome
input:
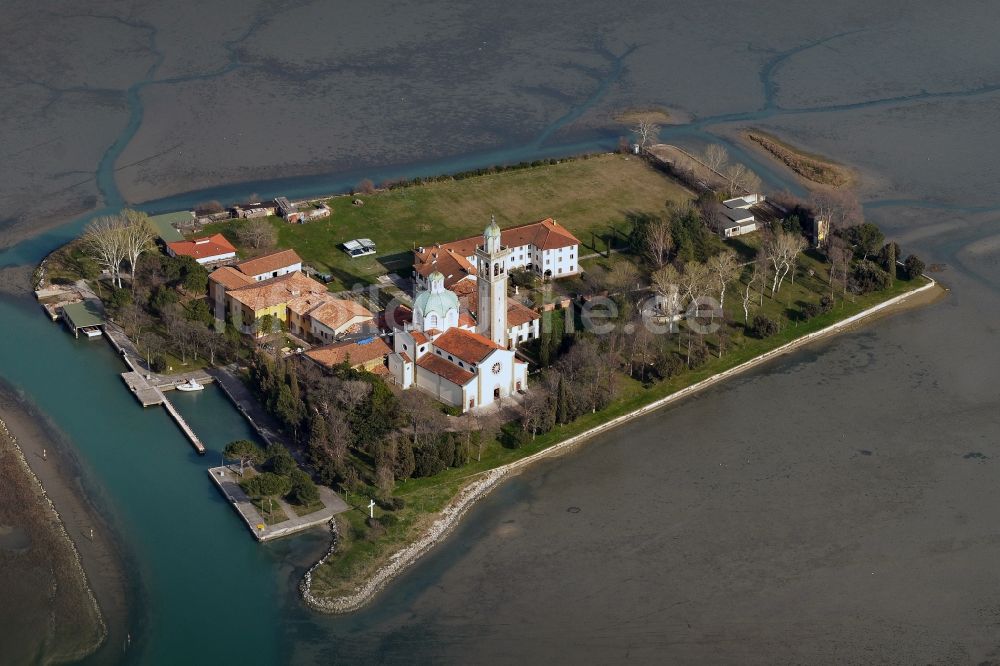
(437, 300)
(492, 231)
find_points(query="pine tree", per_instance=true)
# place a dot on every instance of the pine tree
(562, 403)
(545, 342)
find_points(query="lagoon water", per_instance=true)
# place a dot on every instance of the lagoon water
(837, 505)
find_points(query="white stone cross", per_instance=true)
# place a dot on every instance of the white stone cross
(371, 509)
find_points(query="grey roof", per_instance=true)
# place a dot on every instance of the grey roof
(164, 225)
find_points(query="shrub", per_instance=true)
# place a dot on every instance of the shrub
(266, 484)
(826, 304)
(158, 363)
(868, 277)
(388, 520)
(913, 267)
(513, 436)
(763, 327)
(303, 490)
(281, 461)
(810, 310)
(428, 462)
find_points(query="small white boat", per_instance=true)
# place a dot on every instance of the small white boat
(91, 331)
(190, 385)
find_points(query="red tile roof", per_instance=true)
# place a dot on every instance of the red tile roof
(202, 248)
(357, 354)
(518, 314)
(545, 234)
(275, 291)
(465, 345)
(230, 278)
(454, 266)
(269, 262)
(445, 370)
(336, 313)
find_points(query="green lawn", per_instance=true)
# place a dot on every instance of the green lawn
(588, 196)
(270, 512)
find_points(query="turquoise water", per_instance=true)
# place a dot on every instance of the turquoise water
(202, 577)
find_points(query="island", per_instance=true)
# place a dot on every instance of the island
(405, 347)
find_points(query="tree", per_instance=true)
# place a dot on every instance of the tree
(763, 327)
(366, 186)
(303, 491)
(887, 259)
(913, 267)
(267, 484)
(104, 239)
(666, 282)
(562, 402)
(840, 208)
(137, 237)
(656, 240)
(257, 233)
(782, 250)
(245, 451)
(740, 179)
(645, 132)
(869, 276)
(716, 157)
(536, 411)
(867, 238)
(725, 268)
(748, 292)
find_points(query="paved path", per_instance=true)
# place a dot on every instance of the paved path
(265, 424)
(226, 480)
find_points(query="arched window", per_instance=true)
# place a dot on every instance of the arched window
(496, 269)
(432, 321)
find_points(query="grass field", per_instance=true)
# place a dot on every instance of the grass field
(588, 196)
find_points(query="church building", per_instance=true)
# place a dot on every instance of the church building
(465, 357)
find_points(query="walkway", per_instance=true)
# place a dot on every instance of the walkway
(227, 481)
(245, 401)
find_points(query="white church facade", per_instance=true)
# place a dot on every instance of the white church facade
(465, 359)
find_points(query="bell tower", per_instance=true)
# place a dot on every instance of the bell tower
(491, 281)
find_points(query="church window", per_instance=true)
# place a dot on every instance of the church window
(496, 368)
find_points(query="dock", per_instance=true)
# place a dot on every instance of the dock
(147, 394)
(227, 482)
(148, 388)
(150, 394)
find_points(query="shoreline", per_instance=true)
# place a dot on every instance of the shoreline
(97, 561)
(449, 517)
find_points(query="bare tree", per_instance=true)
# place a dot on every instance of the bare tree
(782, 250)
(536, 410)
(840, 208)
(645, 132)
(748, 292)
(104, 240)
(657, 240)
(740, 180)
(257, 233)
(137, 235)
(716, 157)
(623, 276)
(725, 268)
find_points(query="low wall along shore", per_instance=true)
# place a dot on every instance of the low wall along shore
(451, 514)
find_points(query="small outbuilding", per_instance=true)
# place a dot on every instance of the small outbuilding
(86, 316)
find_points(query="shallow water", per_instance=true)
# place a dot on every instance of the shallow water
(837, 505)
